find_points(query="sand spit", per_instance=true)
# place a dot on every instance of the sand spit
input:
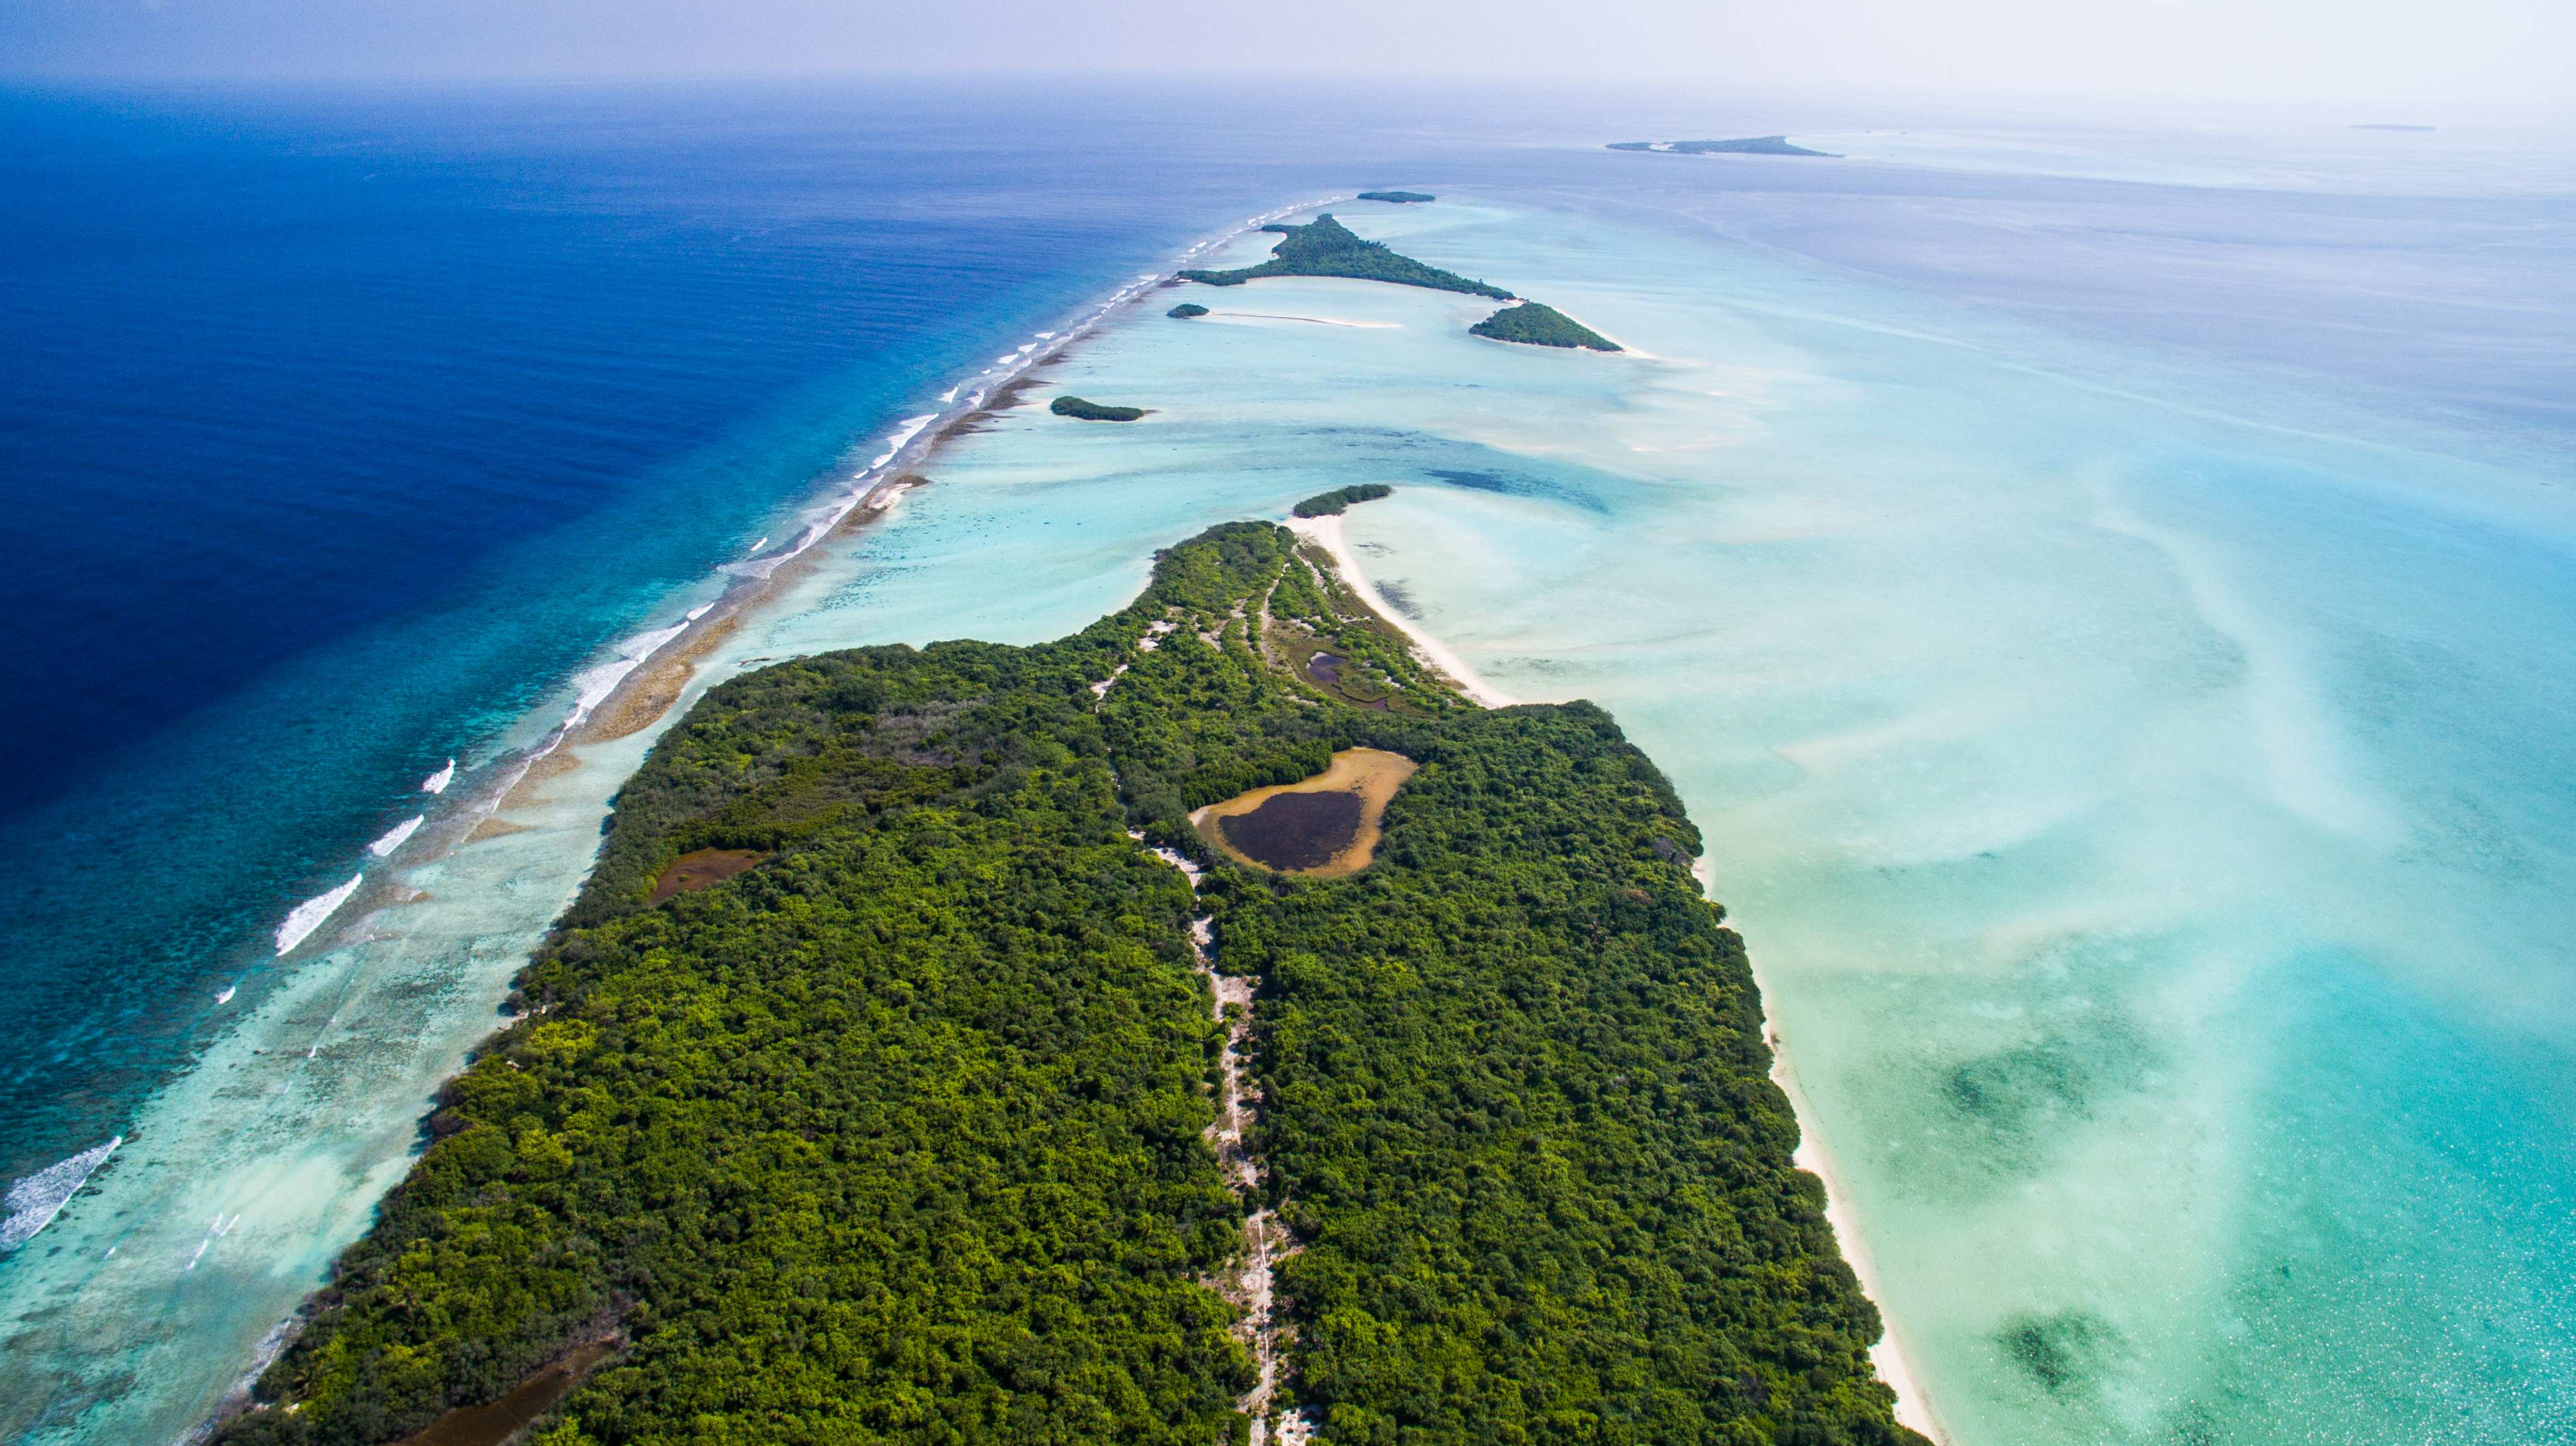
(1326, 532)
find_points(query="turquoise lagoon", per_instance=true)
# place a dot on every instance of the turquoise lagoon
(2144, 789)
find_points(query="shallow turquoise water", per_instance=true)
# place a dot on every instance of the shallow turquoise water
(2142, 780)
(2143, 788)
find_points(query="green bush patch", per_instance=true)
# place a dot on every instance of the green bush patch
(1533, 324)
(1087, 411)
(1325, 247)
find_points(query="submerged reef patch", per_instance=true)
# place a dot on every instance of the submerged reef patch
(2063, 1352)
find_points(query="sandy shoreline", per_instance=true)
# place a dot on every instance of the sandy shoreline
(1326, 533)
(1895, 1366)
(646, 695)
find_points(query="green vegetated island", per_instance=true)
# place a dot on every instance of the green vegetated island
(1534, 324)
(1325, 247)
(1089, 411)
(903, 1132)
(1339, 500)
(1186, 310)
(1741, 146)
(1400, 198)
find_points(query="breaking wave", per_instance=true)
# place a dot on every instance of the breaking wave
(34, 1201)
(308, 916)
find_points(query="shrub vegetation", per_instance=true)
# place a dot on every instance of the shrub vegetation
(1534, 324)
(1339, 500)
(1088, 411)
(896, 1136)
(1325, 247)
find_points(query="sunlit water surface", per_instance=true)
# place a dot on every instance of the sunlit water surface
(2141, 775)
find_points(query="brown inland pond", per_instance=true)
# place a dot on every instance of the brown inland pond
(694, 871)
(1322, 827)
(493, 1424)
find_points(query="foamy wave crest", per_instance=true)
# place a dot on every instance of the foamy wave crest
(308, 916)
(591, 686)
(437, 782)
(33, 1202)
(394, 836)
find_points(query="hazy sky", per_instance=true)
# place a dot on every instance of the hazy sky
(2400, 54)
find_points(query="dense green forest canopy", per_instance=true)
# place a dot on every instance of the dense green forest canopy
(1400, 198)
(1186, 310)
(1090, 411)
(1339, 500)
(1534, 324)
(896, 1136)
(1326, 247)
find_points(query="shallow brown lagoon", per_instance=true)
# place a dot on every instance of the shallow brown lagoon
(1322, 827)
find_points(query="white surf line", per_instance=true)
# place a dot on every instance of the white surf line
(393, 837)
(34, 1200)
(1326, 532)
(907, 443)
(1894, 1362)
(216, 1229)
(1265, 1240)
(309, 915)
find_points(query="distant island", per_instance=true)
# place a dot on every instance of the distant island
(1742, 146)
(1088, 411)
(1325, 247)
(1186, 310)
(2388, 126)
(1535, 324)
(1401, 198)
(1339, 500)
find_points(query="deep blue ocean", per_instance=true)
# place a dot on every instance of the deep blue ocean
(338, 430)
(335, 430)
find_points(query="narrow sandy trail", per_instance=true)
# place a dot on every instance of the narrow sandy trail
(1266, 1242)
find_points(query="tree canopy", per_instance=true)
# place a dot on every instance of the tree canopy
(896, 1136)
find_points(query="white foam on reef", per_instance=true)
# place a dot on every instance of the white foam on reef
(226, 997)
(308, 916)
(437, 782)
(35, 1200)
(394, 836)
(216, 1229)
